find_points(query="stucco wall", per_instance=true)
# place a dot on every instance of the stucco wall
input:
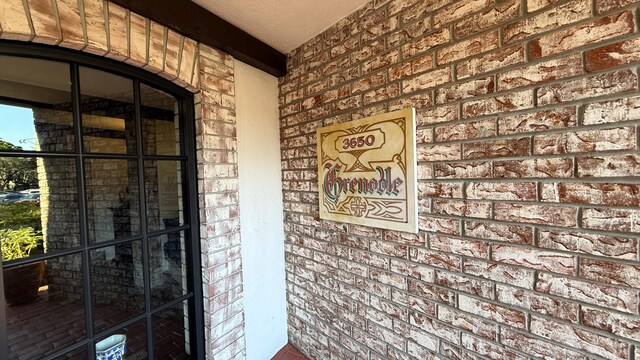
(261, 203)
(528, 166)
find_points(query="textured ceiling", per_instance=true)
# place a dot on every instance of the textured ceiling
(283, 24)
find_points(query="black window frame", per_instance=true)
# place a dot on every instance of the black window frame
(190, 227)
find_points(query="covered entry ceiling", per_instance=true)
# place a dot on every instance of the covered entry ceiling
(283, 24)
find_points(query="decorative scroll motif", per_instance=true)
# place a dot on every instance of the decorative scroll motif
(367, 172)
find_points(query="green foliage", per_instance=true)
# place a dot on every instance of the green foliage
(18, 243)
(19, 215)
(17, 173)
(20, 230)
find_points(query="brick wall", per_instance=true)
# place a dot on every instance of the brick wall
(106, 29)
(528, 166)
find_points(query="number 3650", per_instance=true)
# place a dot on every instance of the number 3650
(357, 142)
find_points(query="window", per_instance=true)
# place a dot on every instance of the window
(98, 216)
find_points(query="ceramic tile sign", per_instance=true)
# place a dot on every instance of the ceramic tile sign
(367, 171)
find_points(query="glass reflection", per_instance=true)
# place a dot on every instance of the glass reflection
(38, 206)
(163, 185)
(160, 122)
(171, 333)
(133, 337)
(108, 113)
(168, 257)
(35, 105)
(54, 317)
(117, 283)
(113, 209)
(80, 354)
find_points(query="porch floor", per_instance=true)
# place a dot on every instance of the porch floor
(289, 352)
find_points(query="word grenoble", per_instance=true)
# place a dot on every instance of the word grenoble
(335, 185)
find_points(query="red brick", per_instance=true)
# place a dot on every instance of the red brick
(463, 170)
(380, 61)
(419, 101)
(611, 219)
(609, 166)
(536, 214)
(609, 272)
(413, 270)
(427, 42)
(385, 248)
(421, 10)
(501, 12)
(438, 189)
(465, 48)
(585, 141)
(618, 324)
(593, 244)
(498, 104)
(584, 340)
(603, 6)
(535, 259)
(491, 311)
(501, 191)
(381, 94)
(533, 168)
(548, 20)
(598, 85)
(586, 34)
(542, 304)
(432, 258)
(535, 5)
(416, 303)
(426, 80)
(592, 193)
(421, 337)
(465, 90)
(470, 130)
(499, 232)
(612, 111)
(434, 327)
(488, 349)
(496, 148)
(600, 295)
(458, 246)
(438, 153)
(624, 52)
(458, 11)
(500, 273)
(430, 292)
(538, 121)
(470, 285)
(468, 322)
(536, 346)
(374, 26)
(472, 209)
(438, 114)
(490, 62)
(541, 72)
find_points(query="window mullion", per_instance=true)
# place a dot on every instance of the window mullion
(82, 203)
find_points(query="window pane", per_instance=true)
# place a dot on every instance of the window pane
(80, 354)
(160, 122)
(135, 341)
(171, 338)
(108, 113)
(113, 209)
(35, 105)
(54, 317)
(38, 206)
(168, 257)
(163, 183)
(117, 283)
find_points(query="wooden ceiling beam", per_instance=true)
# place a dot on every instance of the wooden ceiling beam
(197, 23)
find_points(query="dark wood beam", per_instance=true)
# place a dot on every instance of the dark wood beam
(194, 21)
